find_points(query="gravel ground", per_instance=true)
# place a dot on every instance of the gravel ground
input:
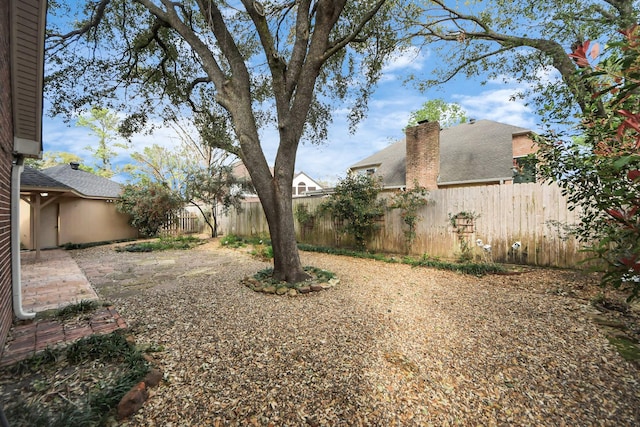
(390, 345)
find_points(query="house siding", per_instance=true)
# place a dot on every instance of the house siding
(6, 159)
(79, 221)
(523, 145)
(88, 221)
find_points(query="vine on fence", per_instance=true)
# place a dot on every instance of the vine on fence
(409, 202)
(463, 224)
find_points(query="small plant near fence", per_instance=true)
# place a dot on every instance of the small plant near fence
(463, 224)
(355, 208)
(409, 202)
(306, 219)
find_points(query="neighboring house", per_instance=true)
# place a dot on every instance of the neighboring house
(302, 183)
(482, 152)
(64, 204)
(22, 26)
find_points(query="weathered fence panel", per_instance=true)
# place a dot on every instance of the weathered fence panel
(183, 222)
(532, 214)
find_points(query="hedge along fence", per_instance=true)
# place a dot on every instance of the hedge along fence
(536, 215)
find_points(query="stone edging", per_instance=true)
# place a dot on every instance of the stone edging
(281, 289)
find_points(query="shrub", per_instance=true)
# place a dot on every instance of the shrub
(149, 206)
(355, 208)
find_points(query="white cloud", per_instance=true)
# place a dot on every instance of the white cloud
(497, 105)
(409, 60)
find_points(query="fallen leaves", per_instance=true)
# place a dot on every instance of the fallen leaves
(402, 346)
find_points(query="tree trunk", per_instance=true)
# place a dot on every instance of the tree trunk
(279, 212)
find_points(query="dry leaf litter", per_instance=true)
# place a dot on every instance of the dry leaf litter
(391, 345)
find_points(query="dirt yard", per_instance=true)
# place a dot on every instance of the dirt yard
(389, 345)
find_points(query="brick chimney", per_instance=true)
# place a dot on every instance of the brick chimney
(423, 155)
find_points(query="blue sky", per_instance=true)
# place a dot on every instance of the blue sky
(389, 111)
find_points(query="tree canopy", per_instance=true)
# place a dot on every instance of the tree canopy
(527, 41)
(437, 110)
(104, 124)
(273, 63)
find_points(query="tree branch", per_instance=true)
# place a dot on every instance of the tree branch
(337, 45)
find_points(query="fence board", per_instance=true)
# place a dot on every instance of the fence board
(183, 222)
(507, 213)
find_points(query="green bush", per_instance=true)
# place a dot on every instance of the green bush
(355, 208)
(149, 206)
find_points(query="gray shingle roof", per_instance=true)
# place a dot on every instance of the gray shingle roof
(33, 178)
(477, 151)
(389, 163)
(83, 182)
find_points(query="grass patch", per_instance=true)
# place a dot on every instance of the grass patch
(262, 248)
(163, 244)
(424, 261)
(77, 386)
(234, 242)
(628, 349)
(73, 310)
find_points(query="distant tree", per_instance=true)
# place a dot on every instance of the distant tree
(213, 186)
(162, 165)
(355, 208)
(105, 125)
(150, 205)
(437, 110)
(55, 158)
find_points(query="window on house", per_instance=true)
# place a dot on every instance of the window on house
(311, 189)
(367, 172)
(293, 191)
(302, 187)
(524, 170)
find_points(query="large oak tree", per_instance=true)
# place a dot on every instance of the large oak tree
(276, 63)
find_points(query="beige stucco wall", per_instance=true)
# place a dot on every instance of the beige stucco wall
(25, 227)
(86, 221)
(82, 221)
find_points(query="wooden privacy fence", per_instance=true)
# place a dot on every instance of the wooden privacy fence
(535, 215)
(183, 222)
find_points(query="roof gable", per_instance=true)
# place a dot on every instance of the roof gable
(476, 151)
(307, 180)
(389, 163)
(33, 178)
(83, 182)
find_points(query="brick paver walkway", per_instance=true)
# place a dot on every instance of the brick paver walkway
(27, 338)
(53, 282)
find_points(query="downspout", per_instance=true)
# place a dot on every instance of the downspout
(16, 171)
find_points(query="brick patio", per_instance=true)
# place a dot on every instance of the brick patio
(54, 282)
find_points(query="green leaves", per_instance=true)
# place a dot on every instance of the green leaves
(600, 173)
(149, 205)
(355, 208)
